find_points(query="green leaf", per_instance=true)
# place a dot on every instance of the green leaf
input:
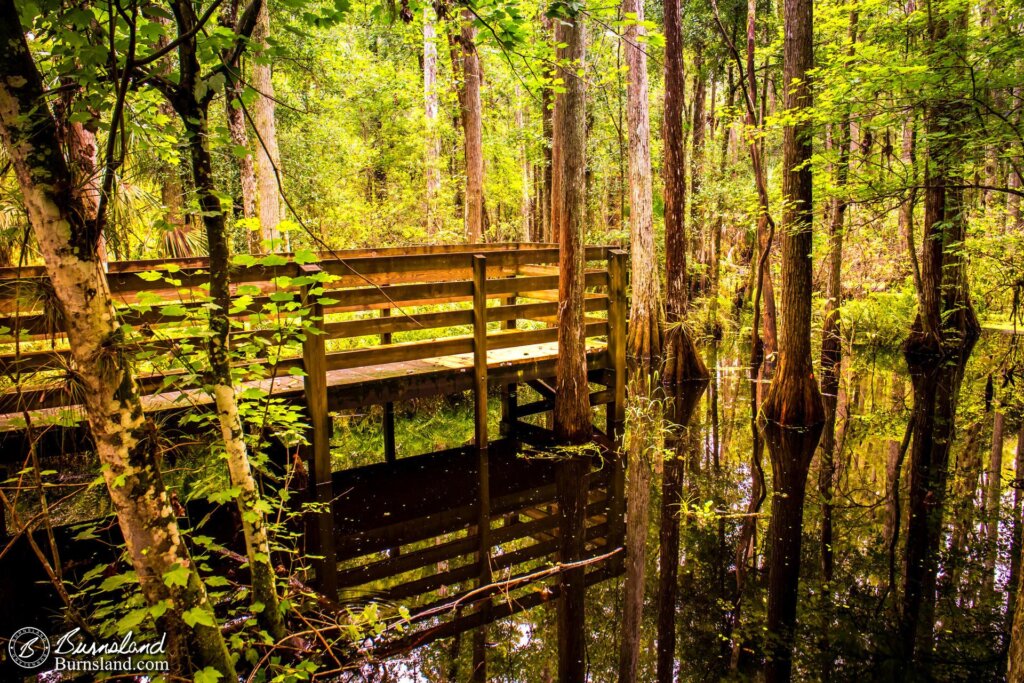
(198, 615)
(273, 260)
(207, 675)
(177, 576)
(173, 311)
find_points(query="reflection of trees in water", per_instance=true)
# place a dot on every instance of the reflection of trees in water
(708, 504)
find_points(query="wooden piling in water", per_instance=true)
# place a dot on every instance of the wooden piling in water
(314, 361)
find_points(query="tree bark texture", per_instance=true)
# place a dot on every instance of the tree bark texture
(472, 121)
(645, 314)
(569, 209)
(682, 361)
(792, 410)
(268, 155)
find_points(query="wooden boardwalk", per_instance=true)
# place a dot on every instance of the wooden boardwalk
(347, 330)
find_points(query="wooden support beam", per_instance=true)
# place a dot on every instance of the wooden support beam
(508, 391)
(617, 339)
(389, 407)
(314, 360)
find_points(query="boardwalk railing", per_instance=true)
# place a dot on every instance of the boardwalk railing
(363, 327)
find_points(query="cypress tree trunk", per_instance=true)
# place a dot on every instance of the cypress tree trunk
(268, 155)
(472, 121)
(124, 444)
(572, 396)
(792, 408)
(644, 340)
(937, 349)
(682, 361)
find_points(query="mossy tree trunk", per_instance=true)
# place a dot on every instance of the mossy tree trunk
(193, 110)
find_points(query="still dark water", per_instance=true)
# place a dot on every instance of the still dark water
(708, 516)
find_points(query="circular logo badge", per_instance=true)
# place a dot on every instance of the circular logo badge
(29, 647)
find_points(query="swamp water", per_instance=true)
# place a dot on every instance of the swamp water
(706, 499)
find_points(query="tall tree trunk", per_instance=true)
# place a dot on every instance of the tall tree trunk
(698, 283)
(126, 447)
(268, 156)
(546, 233)
(682, 361)
(194, 114)
(937, 349)
(240, 140)
(792, 407)
(430, 109)
(645, 314)
(472, 121)
(569, 207)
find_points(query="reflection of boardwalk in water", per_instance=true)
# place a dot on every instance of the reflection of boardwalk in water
(407, 534)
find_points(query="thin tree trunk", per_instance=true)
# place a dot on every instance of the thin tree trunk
(699, 283)
(268, 156)
(194, 114)
(430, 109)
(240, 140)
(831, 330)
(572, 398)
(124, 444)
(525, 208)
(472, 121)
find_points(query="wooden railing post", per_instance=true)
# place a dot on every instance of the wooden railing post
(314, 362)
(617, 340)
(509, 397)
(483, 528)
